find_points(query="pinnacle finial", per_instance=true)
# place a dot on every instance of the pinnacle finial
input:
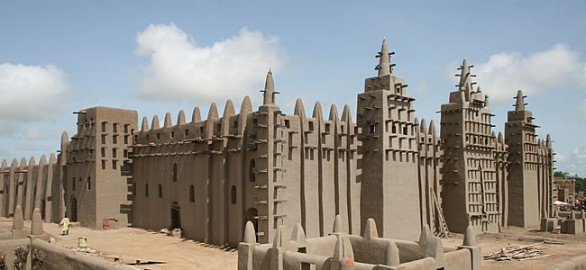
(269, 92)
(249, 233)
(384, 66)
(520, 103)
(465, 79)
(469, 237)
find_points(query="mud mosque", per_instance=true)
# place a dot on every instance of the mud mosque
(210, 176)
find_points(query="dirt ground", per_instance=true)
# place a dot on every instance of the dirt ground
(570, 246)
(130, 244)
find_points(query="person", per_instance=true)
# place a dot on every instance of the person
(64, 226)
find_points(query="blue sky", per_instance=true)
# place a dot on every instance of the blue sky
(57, 57)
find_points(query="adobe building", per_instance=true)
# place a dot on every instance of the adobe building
(564, 190)
(394, 189)
(96, 191)
(30, 185)
(210, 176)
(470, 195)
(530, 168)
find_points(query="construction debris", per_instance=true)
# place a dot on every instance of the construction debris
(516, 253)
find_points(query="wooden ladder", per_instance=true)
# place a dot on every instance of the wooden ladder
(443, 226)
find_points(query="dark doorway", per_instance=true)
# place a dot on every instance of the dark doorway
(175, 216)
(73, 213)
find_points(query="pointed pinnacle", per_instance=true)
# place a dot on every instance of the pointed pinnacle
(465, 79)
(520, 103)
(269, 92)
(464, 75)
(384, 66)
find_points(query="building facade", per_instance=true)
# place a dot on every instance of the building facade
(95, 183)
(210, 176)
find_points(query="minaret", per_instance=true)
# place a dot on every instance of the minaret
(265, 163)
(469, 188)
(390, 188)
(523, 177)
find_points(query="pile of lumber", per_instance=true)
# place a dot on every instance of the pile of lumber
(516, 253)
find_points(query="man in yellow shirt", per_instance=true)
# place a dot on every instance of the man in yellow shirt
(64, 226)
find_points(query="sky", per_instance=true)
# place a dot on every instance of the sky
(59, 57)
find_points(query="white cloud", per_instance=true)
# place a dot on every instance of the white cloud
(554, 69)
(30, 93)
(181, 69)
(574, 162)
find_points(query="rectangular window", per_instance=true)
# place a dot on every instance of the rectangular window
(89, 183)
(126, 128)
(126, 139)
(114, 152)
(115, 127)
(115, 139)
(103, 139)
(103, 164)
(104, 126)
(125, 153)
(114, 164)
(103, 151)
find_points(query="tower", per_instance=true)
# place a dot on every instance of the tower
(266, 140)
(523, 182)
(95, 177)
(469, 189)
(390, 184)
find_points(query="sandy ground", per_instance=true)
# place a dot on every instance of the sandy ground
(131, 244)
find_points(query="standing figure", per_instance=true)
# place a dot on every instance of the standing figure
(64, 226)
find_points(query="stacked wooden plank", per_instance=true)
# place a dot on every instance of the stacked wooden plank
(516, 253)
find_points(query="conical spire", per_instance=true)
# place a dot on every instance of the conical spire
(384, 66)
(469, 237)
(337, 224)
(18, 219)
(145, 124)
(249, 233)
(370, 230)
(520, 104)
(269, 92)
(465, 79)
